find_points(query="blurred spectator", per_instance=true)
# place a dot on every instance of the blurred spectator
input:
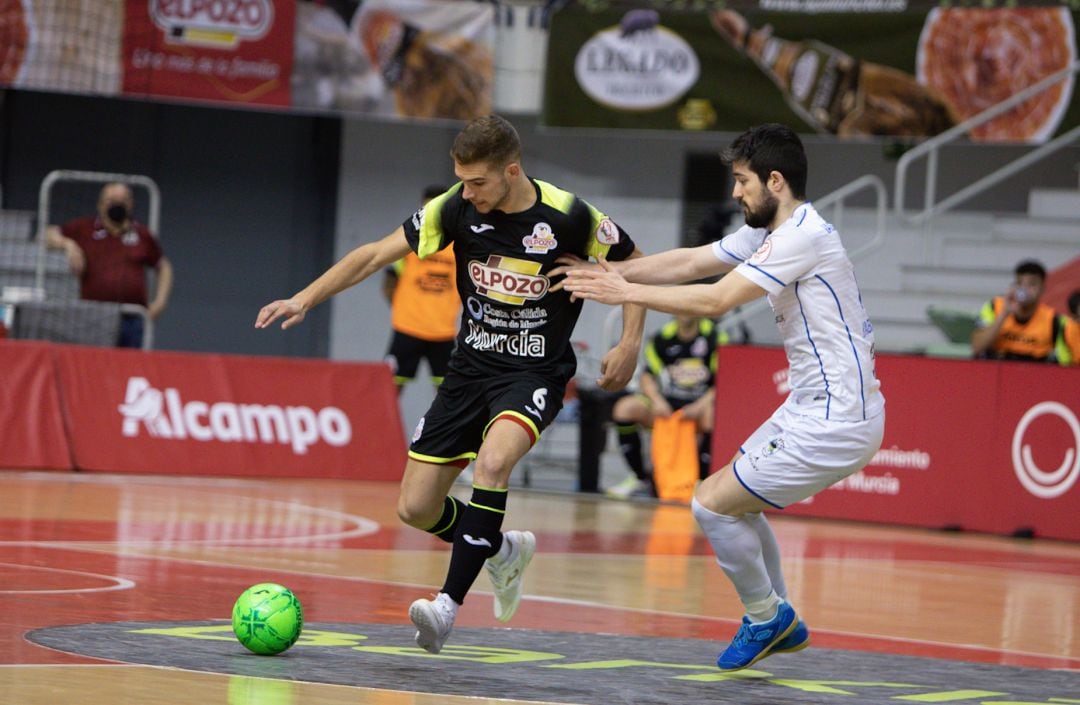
(1018, 326)
(1072, 330)
(110, 253)
(680, 374)
(424, 306)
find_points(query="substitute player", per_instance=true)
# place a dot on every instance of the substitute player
(424, 310)
(830, 425)
(513, 358)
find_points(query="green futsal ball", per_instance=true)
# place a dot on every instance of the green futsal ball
(267, 618)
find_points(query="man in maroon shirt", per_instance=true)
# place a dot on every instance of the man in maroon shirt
(110, 253)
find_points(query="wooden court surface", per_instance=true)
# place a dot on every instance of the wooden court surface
(90, 549)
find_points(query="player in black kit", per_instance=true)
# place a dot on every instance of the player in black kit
(513, 357)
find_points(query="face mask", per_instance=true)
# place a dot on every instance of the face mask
(117, 212)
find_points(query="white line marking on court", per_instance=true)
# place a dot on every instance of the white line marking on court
(576, 603)
(120, 583)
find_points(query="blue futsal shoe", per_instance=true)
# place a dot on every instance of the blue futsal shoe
(797, 640)
(755, 640)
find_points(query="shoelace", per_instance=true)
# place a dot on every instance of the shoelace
(742, 637)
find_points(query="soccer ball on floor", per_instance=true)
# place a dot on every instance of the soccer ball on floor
(267, 618)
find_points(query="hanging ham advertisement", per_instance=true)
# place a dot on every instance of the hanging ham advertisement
(853, 69)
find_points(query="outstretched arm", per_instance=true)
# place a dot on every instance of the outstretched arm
(710, 300)
(351, 269)
(684, 264)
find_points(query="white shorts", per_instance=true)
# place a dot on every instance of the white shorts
(791, 457)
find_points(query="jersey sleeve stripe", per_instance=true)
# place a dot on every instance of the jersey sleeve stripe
(596, 248)
(729, 253)
(431, 232)
(555, 197)
(749, 264)
(652, 359)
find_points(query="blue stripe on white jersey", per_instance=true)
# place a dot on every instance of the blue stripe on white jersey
(811, 287)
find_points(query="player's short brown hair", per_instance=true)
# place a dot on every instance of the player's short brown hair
(490, 139)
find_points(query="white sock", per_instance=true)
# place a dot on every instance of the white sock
(448, 602)
(763, 610)
(770, 552)
(738, 551)
(503, 554)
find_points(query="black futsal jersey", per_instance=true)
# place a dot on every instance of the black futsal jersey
(684, 369)
(510, 320)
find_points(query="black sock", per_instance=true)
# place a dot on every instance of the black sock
(704, 455)
(446, 526)
(630, 445)
(478, 537)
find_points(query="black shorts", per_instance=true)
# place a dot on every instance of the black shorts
(406, 352)
(454, 427)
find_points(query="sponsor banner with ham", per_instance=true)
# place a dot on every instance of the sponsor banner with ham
(236, 51)
(31, 425)
(983, 446)
(850, 68)
(132, 411)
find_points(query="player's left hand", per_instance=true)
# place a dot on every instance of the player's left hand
(617, 368)
(565, 263)
(604, 285)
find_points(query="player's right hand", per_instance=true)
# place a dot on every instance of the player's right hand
(292, 310)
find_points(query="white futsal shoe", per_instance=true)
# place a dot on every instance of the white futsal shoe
(433, 619)
(507, 575)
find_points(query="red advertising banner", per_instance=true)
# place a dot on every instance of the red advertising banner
(132, 411)
(31, 425)
(240, 51)
(1034, 453)
(985, 446)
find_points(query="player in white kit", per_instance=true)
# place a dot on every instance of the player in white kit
(830, 425)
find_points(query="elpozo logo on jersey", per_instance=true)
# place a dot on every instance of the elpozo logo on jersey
(219, 24)
(508, 279)
(541, 241)
(644, 69)
(165, 415)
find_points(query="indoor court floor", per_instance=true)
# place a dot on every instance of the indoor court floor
(118, 590)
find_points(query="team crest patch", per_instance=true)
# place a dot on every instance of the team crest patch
(763, 252)
(541, 241)
(130, 238)
(607, 233)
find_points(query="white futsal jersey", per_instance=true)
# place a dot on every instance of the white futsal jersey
(812, 290)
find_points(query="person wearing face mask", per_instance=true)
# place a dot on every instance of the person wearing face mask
(110, 253)
(1018, 326)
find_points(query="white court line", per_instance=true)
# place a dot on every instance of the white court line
(577, 603)
(120, 583)
(365, 523)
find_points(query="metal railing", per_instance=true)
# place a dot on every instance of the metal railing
(43, 222)
(930, 149)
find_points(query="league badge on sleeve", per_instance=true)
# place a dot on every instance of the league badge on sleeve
(607, 233)
(762, 253)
